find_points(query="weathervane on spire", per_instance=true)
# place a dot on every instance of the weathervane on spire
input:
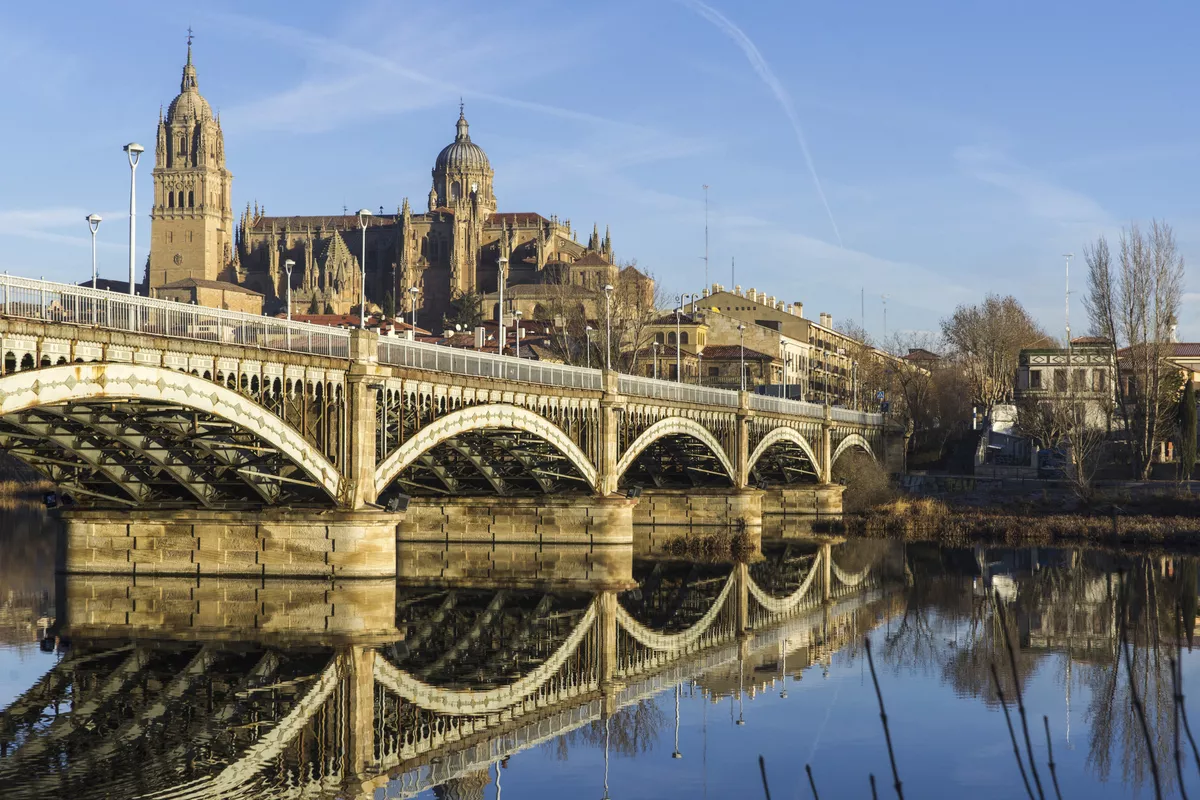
(189, 35)
(460, 105)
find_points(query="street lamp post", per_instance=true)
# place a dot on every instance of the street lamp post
(412, 293)
(678, 341)
(742, 354)
(363, 215)
(287, 268)
(587, 332)
(501, 277)
(608, 289)
(517, 324)
(655, 346)
(93, 221)
(133, 151)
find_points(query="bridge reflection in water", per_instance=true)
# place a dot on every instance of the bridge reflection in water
(190, 688)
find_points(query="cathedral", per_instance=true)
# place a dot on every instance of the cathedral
(454, 248)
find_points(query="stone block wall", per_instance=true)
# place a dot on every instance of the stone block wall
(518, 520)
(699, 507)
(209, 543)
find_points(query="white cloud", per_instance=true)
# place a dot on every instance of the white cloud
(1040, 196)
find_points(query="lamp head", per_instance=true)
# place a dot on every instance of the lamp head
(287, 265)
(608, 287)
(588, 328)
(133, 148)
(363, 213)
(93, 221)
(413, 290)
(503, 260)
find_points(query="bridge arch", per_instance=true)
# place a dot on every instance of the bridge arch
(852, 440)
(784, 436)
(675, 427)
(164, 448)
(489, 417)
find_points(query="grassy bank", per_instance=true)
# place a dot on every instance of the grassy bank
(1162, 519)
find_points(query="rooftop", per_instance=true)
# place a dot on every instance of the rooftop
(727, 351)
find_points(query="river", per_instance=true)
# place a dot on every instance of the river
(668, 681)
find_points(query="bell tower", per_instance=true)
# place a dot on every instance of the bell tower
(191, 222)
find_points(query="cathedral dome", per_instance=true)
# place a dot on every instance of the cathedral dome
(462, 153)
(191, 105)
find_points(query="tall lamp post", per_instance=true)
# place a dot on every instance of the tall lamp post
(287, 268)
(742, 354)
(654, 345)
(517, 325)
(412, 293)
(363, 215)
(678, 341)
(93, 221)
(133, 151)
(608, 290)
(587, 332)
(501, 277)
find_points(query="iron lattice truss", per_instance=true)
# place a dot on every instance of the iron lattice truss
(782, 463)
(154, 455)
(673, 596)
(676, 462)
(118, 720)
(462, 639)
(493, 461)
(783, 569)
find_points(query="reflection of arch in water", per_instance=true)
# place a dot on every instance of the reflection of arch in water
(122, 717)
(792, 601)
(467, 702)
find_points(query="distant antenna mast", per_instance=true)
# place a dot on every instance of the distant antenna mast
(706, 283)
(862, 308)
(884, 298)
(1068, 257)
(732, 273)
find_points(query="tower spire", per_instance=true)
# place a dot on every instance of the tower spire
(189, 71)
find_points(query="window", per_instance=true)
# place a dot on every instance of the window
(1099, 382)
(683, 338)
(1035, 379)
(1060, 380)
(1080, 379)
(658, 337)
(170, 199)
(714, 372)
(191, 199)
(670, 338)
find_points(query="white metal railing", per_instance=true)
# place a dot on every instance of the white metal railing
(457, 361)
(858, 417)
(79, 305)
(676, 391)
(783, 405)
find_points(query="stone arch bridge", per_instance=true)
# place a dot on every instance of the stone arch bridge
(146, 404)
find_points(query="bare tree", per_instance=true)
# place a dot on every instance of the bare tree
(1134, 304)
(1067, 421)
(987, 340)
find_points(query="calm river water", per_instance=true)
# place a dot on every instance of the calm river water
(668, 685)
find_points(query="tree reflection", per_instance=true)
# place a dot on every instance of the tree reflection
(632, 730)
(1064, 609)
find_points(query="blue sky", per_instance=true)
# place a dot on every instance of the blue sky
(952, 148)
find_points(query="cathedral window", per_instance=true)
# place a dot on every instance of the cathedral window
(455, 190)
(683, 338)
(181, 199)
(170, 199)
(191, 198)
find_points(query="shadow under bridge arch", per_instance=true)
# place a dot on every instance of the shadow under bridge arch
(851, 441)
(675, 453)
(493, 449)
(784, 456)
(140, 436)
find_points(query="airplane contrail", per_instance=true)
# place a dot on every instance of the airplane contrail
(760, 65)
